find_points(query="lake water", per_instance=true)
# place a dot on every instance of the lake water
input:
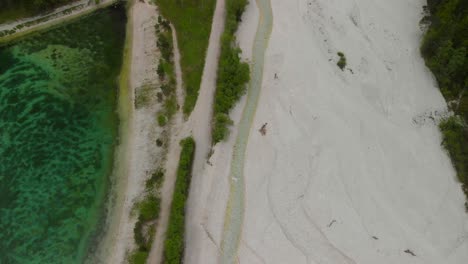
(58, 130)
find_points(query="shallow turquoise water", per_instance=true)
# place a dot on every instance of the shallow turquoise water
(58, 128)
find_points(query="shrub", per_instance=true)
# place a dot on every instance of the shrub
(156, 179)
(140, 240)
(233, 74)
(220, 127)
(160, 70)
(445, 48)
(138, 257)
(453, 132)
(159, 142)
(162, 120)
(149, 208)
(342, 62)
(174, 244)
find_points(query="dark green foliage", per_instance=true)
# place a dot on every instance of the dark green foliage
(165, 45)
(174, 244)
(160, 70)
(156, 179)
(445, 45)
(138, 257)
(159, 142)
(140, 240)
(220, 129)
(192, 20)
(455, 140)
(15, 9)
(445, 48)
(233, 74)
(149, 208)
(166, 71)
(162, 120)
(342, 62)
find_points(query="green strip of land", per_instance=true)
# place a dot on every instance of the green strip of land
(192, 20)
(174, 244)
(444, 49)
(233, 74)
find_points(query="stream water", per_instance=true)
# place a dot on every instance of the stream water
(235, 207)
(58, 129)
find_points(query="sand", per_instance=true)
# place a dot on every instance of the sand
(138, 155)
(349, 172)
(351, 169)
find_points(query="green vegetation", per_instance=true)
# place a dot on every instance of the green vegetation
(192, 20)
(148, 213)
(232, 73)
(174, 244)
(165, 71)
(342, 62)
(444, 49)
(162, 120)
(138, 257)
(143, 95)
(15, 9)
(156, 179)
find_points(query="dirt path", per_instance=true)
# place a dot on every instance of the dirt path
(138, 153)
(201, 129)
(178, 132)
(199, 125)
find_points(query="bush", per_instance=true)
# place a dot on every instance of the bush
(140, 240)
(162, 120)
(220, 128)
(159, 142)
(160, 70)
(138, 257)
(445, 50)
(233, 74)
(156, 179)
(342, 62)
(174, 244)
(149, 208)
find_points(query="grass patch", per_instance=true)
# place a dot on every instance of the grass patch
(174, 244)
(143, 96)
(138, 257)
(156, 180)
(192, 20)
(166, 72)
(162, 120)
(233, 74)
(342, 61)
(445, 50)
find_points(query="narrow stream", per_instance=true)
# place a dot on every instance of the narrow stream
(235, 207)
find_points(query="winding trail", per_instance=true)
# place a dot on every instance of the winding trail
(235, 207)
(178, 132)
(199, 125)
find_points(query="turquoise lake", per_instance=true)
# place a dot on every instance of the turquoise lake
(58, 130)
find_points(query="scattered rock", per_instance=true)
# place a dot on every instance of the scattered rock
(263, 129)
(408, 251)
